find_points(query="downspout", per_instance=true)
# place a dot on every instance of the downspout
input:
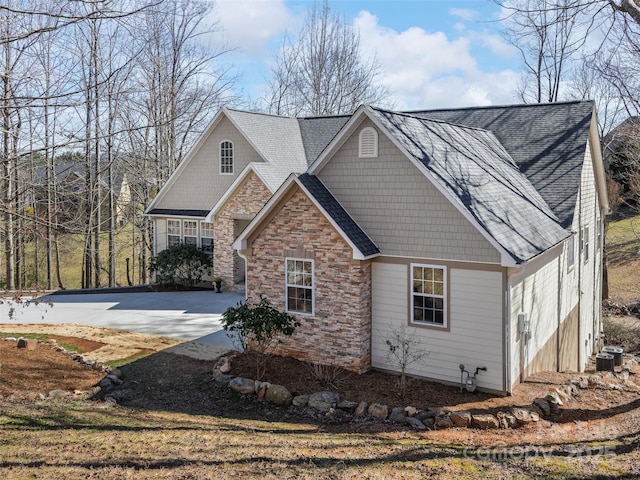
(559, 316)
(506, 342)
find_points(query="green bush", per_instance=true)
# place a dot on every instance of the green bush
(259, 327)
(181, 264)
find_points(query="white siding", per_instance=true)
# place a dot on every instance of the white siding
(537, 296)
(160, 235)
(475, 318)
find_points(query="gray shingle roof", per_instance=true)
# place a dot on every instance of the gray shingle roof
(177, 212)
(547, 141)
(317, 133)
(339, 215)
(476, 170)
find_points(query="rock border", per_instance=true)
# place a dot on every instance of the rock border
(329, 406)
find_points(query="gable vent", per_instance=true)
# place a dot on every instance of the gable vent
(368, 143)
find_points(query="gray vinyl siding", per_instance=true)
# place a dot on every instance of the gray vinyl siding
(399, 208)
(201, 185)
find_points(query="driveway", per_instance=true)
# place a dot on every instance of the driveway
(192, 315)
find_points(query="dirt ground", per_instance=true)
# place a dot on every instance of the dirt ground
(177, 377)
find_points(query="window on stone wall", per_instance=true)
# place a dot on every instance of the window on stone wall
(299, 286)
(429, 295)
(190, 232)
(226, 157)
(206, 237)
(174, 232)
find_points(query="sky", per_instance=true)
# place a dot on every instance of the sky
(432, 53)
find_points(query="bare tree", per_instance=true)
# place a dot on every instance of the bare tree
(323, 71)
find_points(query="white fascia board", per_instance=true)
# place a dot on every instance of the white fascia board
(598, 165)
(211, 216)
(187, 159)
(357, 254)
(241, 242)
(506, 260)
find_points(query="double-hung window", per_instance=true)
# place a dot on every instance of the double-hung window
(206, 237)
(191, 232)
(429, 295)
(174, 232)
(299, 286)
(226, 157)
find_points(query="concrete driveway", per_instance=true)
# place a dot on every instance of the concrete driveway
(193, 315)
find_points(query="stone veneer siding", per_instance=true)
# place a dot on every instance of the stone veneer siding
(339, 332)
(249, 198)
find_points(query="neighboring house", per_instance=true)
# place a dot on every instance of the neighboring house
(477, 232)
(235, 167)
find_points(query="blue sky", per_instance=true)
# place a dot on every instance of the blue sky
(432, 53)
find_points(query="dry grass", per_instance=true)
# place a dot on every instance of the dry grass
(79, 441)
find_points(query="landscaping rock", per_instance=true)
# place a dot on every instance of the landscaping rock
(485, 421)
(116, 372)
(524, 416)
(361, 409)
(507, 420)
(428, 422)
(22, 342)
(543, 405)
(224, 379)
(411, 411)
(323, 401)
(348, 406)
(443, 421)
(301, 401)
(460, 419)
(115, 380)
(415, 423)
(244, 386)
(106, 383)
(378, 410)
(594, 380)
(278, 395)
(428, 413)
(397, 415)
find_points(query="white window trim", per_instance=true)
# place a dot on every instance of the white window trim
(287, 285)
(179, 235)
(444, 296)
(185, 236)
(363, 132)
(233, 157)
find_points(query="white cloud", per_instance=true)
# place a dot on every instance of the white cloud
(249, 25)
(429, 70)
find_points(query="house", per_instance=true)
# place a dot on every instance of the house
(231, 172)
(476, 233)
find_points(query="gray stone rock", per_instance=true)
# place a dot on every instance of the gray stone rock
(22, 342)
(411, 411)
(554, 397)
(443, 421)
(301, 401)
(460, 419)
(323, 401)
(428, 413)
(507, 420)
(348, 406)
(278, 395)
(378, 410)
(244, 386)
(428, 422)
(106, 383)
(362, 409)
(594, 380)
(224, 379)
(397, 415)
(115, 380)
(415, 423)
(485, 421)
(543, 405)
